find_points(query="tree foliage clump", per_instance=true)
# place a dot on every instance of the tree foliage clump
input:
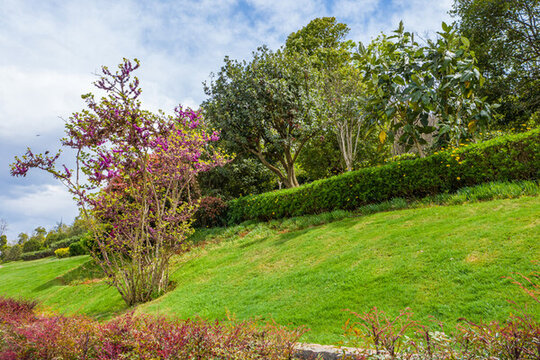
(267, 107)
(505, 36)
(341, 84)
(421, 91)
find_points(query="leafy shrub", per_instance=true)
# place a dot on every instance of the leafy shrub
(516, 338)
(27, 336)
(16, 311)
(211, 212)
(37, 255)
(62, 253)
(401, 337)
(512, 157)
(65, 242)
(78, 248)
(13, 253)
(34, 244)
(53, 237)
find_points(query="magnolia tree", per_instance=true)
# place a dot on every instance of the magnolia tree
(132, 178)
(409, 84)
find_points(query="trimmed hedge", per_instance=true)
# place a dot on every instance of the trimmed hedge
(511, 157)
(37, 254)
(78, 248)
(65, 242)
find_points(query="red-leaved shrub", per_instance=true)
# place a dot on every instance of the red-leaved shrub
(517, 338)
(211, 212)
(25, 335)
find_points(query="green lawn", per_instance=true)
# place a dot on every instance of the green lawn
(59, 285)
(441, 261)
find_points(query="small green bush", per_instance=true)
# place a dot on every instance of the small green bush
(510, 157)
(62, 253)
(32, 245)
(37, 255)
(78, 248)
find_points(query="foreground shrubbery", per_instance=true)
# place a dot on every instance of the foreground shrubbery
(516, 338)
(401, 337)
(514, 157)
(26, 335)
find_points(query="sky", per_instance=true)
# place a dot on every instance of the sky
(52, 51)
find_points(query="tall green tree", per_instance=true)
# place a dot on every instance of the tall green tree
(416, 91)
(3, 246)
(22, 238)
(268, 107)
(505, 36)
(324, 40)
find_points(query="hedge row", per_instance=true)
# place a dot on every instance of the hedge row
(34, 255)
(511, 157)
(64, 243)
(74, 243)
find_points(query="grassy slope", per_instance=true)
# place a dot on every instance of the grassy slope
(59, 285)
(443, 261)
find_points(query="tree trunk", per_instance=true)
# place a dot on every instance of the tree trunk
(289, 178)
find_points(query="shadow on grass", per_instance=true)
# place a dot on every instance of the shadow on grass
(86, 273)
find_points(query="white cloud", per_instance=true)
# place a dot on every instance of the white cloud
(32, 100)
(28, 207)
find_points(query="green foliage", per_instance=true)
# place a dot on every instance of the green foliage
(266, 107)
(22, 238)
(416, 90)
(61, 253)
(13, 253)
(78, 248)
(341, 86)
(65, 242)
(402, 157)
(242, 176)
(320, 158)
(324, 39)
(3, 246)
(504, 36)
(27, 256)
(510, 157)
(33, 244)
(54, 236)
(483, 192)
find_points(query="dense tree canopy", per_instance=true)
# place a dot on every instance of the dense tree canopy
(416, 91)
(324, 40)
(505, 36)
(267, 107)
